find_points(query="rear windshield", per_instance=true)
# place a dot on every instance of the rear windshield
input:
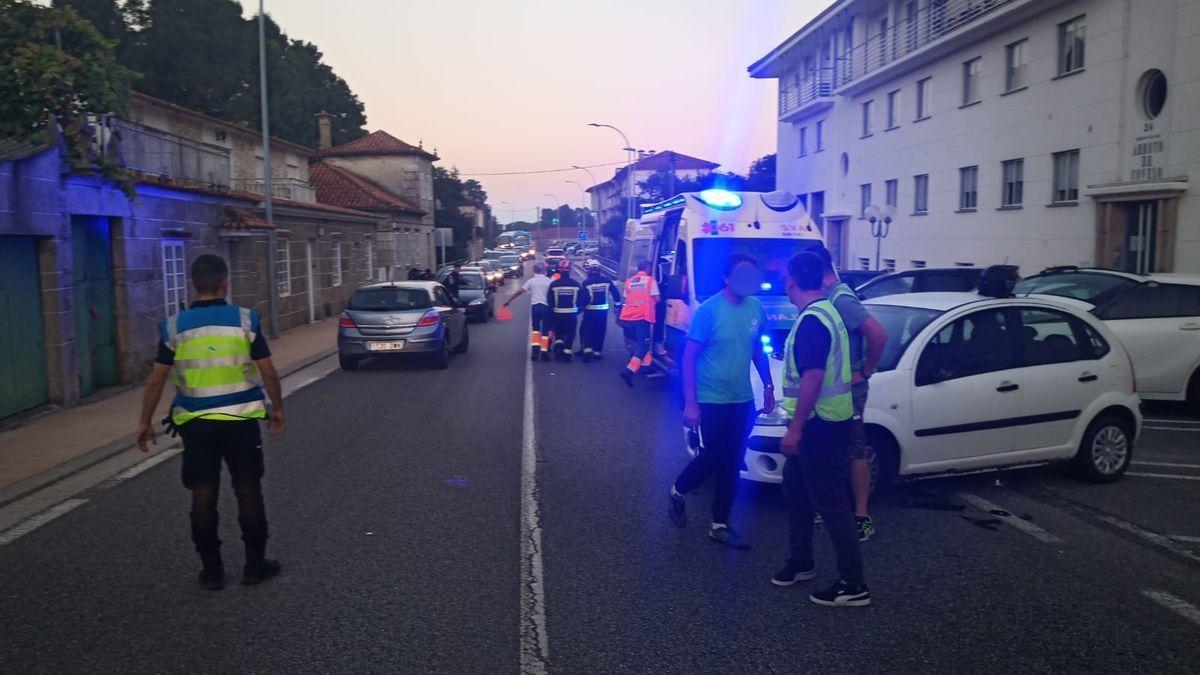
(1097, 289)
(470, 281)
(510, 260)
(389, 299)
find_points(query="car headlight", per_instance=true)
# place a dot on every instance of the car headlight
(476, 301)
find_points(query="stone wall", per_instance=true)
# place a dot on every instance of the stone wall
(410, 177)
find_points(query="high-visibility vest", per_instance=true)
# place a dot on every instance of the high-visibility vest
(836, 292)
(565, 299)
(834, 403)
(214, 375)
(597, 296)
(639, 303)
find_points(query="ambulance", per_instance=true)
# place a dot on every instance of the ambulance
(688, 237)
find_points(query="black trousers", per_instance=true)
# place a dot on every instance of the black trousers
(637, 337)
(206, 443)
(724, 428)
(592, 329)
(565, 326)
(539, 322)
(814, 480)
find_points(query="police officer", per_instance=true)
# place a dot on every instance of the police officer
(816, 395)
(220, 363)
(597, 291)
(565, 302)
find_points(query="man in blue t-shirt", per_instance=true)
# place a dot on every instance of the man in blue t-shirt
(724, 339)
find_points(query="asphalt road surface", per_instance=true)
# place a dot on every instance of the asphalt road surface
(395, 498)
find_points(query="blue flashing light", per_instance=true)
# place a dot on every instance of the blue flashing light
(766, 339)
(766, 286)
(768, 349)
(719, 199)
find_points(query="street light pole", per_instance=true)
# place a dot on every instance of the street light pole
(596, 212)
(272, 273)
(511, 212)
(881, 223)
(628, 165)
(582, 201)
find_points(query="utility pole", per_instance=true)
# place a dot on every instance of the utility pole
(272, 273)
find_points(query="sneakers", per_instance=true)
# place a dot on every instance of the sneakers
(791, 573)
(866, 527)
(627, 377)
(256, 573)
(677, 509)
(842, 595)
(212, 579)
(723, 534)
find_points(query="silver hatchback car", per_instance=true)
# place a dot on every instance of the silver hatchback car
(402, 317)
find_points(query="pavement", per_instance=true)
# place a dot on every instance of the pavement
(413, 540)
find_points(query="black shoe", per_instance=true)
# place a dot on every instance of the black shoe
(212, 579)
(627, 377)
(534, 355)
(791, 573)
(256, 573)
(726, 536)
(678, 509)
(866, 527)
(545, 356)
(842, 595)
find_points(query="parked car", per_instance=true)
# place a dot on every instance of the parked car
(511, 266)
(923, 280)
(474, 293)
(1156, 316)
(856, 278)
(969, 383)
(402, 317)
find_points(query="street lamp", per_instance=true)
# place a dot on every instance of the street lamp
(628, 166)
(881, 225)
(511, 212)
(272, 273)
(582, 201)
(595, 213)
(558, 225)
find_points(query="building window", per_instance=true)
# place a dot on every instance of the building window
(283, 267)
(921, 193)
(893, 103)
(918, 264)
(1071, 42)
(174, 276)
(864, 199)
(1016, 62)
(971, 70)
(892, 187)
(866, 118)
(864, 263)
(910, 25)
(1014, 182)
(883, 40)
(335, 262)
(1066, 176)
(1152, 92)
(968, 188)
(924, 97)
(889, 264)
(369, 254)
(820, 131)
(803, 141)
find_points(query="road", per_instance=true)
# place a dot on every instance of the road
(395, 498)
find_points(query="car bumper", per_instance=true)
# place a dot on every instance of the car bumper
(349, 346)
(762, 461)
(477, 311)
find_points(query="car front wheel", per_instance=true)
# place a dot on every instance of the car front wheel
(1105, 451)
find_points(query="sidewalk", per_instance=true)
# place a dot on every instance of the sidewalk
(108, 424)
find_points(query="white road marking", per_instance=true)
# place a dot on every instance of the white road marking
(145, 465)
(1141, 474)
(1184, 537)
(1019, 523)
(34, 522)
(535, 648)
(1174, 465)
(1176, 604)
(1160, 540)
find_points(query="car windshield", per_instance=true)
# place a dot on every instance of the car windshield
(510, 260)
(389, 299)
(471, 281)
(902, 325)
(772, 256)
(1098, 289)
(492, 255)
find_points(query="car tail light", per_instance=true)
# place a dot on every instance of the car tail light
(430, 319)
(346, 322)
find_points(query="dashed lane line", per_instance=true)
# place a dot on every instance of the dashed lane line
(1160, 540)
(1019, 523)
(1174, 603)
(34, 522)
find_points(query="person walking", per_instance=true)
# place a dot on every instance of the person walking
(816, 395)
(637, 318)
(220, 363)
(453, 281)
(724, 339)
(597, 290)
(537, 286)
(566, 301)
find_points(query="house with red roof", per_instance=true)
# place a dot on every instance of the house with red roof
(609, 198)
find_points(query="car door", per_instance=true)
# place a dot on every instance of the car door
(1064, 374)
(967, 392)
(1159, 324)
(446, 306)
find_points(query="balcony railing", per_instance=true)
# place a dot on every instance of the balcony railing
(281, 188)
(162, 154)
(931, 23)
(816, 87)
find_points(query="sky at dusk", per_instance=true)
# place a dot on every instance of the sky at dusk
(510, 85)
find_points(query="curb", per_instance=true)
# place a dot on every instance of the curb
(27, 486)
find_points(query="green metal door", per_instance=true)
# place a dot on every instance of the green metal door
(22, 345)
(95, 323)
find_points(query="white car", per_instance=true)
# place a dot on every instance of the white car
(969, 383)
(1156, 316)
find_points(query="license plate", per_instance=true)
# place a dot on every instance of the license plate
(385, 346)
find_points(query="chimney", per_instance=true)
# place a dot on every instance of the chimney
(324, 130)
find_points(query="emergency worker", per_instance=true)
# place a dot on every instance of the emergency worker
(637, 318)
(566, 301)
(597, 291)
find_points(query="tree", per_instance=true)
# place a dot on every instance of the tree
(451, 193)
(762, 174)
(55, 68)
(614, 228)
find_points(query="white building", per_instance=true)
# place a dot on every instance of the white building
(608, 198)
(1038, 132)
